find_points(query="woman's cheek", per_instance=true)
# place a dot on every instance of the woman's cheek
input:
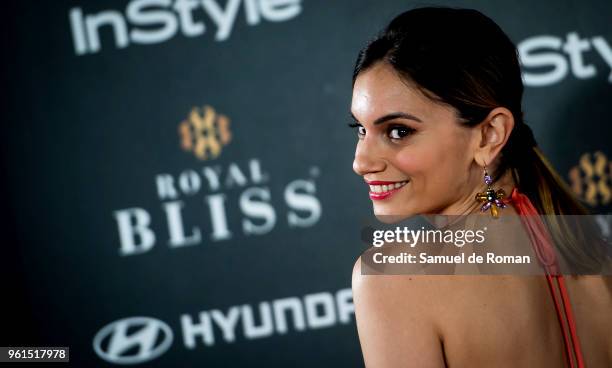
(412, 161)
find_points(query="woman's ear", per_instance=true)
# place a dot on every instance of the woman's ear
(494, 132)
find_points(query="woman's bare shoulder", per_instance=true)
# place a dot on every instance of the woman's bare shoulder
(395, 321)
(411, 286)
(413, 316)
(433, 288)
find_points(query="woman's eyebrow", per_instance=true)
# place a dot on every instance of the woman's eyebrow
(391, 116)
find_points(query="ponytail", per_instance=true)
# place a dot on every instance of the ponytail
(575, 234)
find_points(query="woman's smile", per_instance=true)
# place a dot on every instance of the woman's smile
(380, 190)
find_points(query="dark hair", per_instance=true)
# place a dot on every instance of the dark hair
(462, 58)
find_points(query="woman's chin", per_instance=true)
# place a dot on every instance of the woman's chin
(388, 216)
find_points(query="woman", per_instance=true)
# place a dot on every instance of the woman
(436, 101)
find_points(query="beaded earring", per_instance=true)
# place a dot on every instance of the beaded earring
(492, 199)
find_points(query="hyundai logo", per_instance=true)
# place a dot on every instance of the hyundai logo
(132, 340)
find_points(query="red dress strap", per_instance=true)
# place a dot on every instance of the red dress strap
(542, 244)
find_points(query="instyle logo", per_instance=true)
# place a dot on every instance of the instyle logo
(204, 133)
(554, 58)
(132, 340)
(591, 179)
(155, 21)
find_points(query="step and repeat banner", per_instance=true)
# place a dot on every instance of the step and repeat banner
(178, 182)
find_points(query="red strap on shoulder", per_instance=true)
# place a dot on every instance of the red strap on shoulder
(542, 245)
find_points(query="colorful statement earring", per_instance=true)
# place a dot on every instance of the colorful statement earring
(492, 199)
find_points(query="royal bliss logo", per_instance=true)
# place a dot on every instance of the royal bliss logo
(204, 133)
(217, 202)
(591, 179)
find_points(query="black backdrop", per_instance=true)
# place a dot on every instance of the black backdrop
(195, 168)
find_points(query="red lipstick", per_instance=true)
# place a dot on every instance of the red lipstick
(379, 192)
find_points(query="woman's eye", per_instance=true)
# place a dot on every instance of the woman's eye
(399, 132)
(360, 129)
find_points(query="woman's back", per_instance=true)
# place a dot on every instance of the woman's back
(511, 321)
(484, 321)
(591, 298)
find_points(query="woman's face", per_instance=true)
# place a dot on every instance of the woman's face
(412, 152)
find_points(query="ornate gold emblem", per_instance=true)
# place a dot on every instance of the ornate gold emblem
(204, 133)
(590, 179)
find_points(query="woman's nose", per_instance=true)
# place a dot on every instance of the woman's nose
(367, 160)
